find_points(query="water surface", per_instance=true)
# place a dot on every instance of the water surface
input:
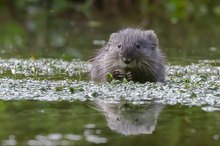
(90, 123)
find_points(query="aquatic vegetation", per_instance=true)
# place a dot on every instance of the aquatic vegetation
(194, 84)
(42, 67)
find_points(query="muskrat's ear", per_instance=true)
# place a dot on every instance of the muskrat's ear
(113, 36)
(151, 36)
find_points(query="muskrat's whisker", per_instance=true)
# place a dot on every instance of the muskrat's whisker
(154, 61)
(148, 66)
(140, 66)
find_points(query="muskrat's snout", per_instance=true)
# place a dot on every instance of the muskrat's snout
(126, 60)
(126, 56)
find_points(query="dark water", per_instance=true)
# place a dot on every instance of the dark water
(99, 123)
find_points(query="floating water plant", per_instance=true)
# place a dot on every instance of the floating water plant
(194, 84)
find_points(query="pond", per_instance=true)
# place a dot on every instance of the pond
(94, 123)
(47, 98)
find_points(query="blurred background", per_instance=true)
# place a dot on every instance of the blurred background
(187, 30)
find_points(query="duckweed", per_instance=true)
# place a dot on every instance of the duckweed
(42, 67)
(52, 80)
(59, 88)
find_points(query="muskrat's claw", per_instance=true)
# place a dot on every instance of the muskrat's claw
(118, 74)
(129, 76)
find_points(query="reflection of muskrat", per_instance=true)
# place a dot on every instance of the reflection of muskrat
(132, 54)
(130, 119)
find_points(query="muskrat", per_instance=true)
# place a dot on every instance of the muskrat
(130, 53)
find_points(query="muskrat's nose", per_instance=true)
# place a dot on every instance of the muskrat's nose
(126, 60)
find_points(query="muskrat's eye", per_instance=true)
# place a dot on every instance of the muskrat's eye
(138, 46)
(119, 46)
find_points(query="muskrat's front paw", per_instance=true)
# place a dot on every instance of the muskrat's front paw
(118, 74)
(129, 76)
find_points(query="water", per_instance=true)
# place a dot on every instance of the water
(46, 97)
(89, 123)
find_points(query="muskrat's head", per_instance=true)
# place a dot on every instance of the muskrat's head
(132, 45)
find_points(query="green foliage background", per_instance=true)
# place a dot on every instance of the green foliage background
(66, 28)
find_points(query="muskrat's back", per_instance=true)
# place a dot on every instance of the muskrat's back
(132, 54)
